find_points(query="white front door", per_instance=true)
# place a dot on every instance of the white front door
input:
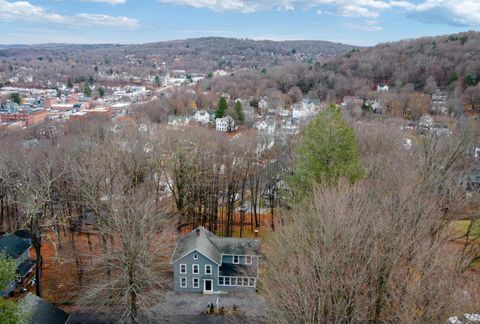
(207, 285)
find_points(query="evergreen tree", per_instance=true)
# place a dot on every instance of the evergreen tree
(327, 152)
(16, 98)
(221, 108)
(469, 80)
(87, 90)
(239, 112)
(69, 83)
(101, 91)
(10, 312)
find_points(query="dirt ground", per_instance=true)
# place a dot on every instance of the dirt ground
(188, 308)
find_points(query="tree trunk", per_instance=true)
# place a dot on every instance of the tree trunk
(133, 298)
(37, 245)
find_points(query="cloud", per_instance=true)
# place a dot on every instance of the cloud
(112, 2)
(23, 10)
(105, 20)
(368, 25)
(453, 12)
(356, 11)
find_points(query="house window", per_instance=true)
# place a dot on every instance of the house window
(227, 281)
(220, 281)
(233, 281)
(195, 269)
(236, 259)
(195, 256)
(183, 282)
(208, 269)
(248, 259)
(183, 268)
(245, 281)
(195, 282)
(251, 282)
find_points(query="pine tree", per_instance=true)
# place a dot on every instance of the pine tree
(87, 90)
(16, 98)
(101, 91)
(239, 111)
(221, 108)
(327, 152)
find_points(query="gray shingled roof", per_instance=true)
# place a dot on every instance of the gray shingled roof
(236, 246)
(200, 243)
(227, 269)
(13, 245)
(213, 247)
(42, 311)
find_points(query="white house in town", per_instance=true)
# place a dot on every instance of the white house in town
(202, 117)
(306, 108)
(225, 124)
(382, 88)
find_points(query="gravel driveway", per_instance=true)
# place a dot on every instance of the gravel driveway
(188, 308)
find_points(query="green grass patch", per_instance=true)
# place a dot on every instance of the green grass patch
(460, 228)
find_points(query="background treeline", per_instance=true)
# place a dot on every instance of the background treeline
(419, 64)
(203, 55)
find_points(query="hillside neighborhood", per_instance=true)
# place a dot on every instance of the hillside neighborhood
(223, 180)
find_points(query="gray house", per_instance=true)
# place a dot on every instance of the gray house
(17, 248)
(205, 263)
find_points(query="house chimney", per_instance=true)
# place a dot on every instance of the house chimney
(256, 233)
(197, 231)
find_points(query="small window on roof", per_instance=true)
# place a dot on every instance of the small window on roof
(195, 256)
(236, 259)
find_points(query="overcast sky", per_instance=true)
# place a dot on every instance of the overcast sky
(357, 22)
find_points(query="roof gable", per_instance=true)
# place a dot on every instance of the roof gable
(13, 245)
(213, 247)
(197, 240)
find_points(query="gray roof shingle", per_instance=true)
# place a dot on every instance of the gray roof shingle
(42, 311)
(213, 247)
(13, 245)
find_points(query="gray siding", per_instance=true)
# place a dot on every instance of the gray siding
(190, 261)
(201, 261)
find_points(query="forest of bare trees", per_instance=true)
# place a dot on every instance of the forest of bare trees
(110, 199)
(379, 250)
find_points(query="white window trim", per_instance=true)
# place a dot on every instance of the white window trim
(195, 256)
(198, 283)
(193, 269)
(238, 259)
(182, 285)
(183, 272)
(239, 281)
(248, 259)
(208, 266)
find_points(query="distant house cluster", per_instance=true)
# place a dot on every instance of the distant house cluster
(37, 106)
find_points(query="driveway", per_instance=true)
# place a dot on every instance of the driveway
(188, 308)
